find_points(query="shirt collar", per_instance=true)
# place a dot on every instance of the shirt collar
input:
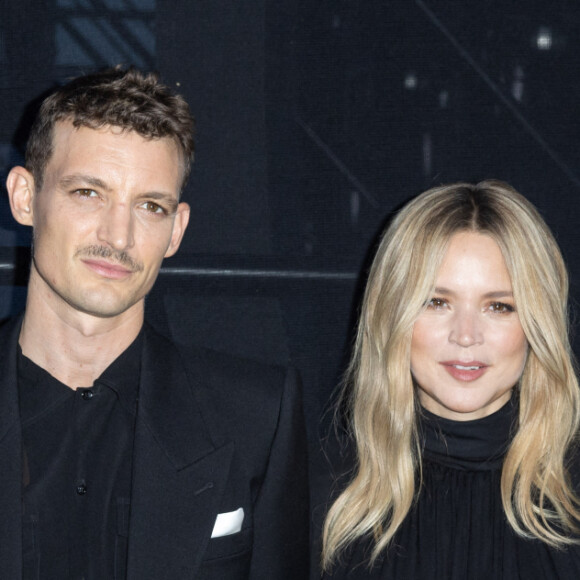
(477, 445)
(122, 376)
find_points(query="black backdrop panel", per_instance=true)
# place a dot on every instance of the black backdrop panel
(217, 60)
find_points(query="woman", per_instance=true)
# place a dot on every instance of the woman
(463, 402)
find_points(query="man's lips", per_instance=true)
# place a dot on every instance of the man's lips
(107, 269)
(465, 371)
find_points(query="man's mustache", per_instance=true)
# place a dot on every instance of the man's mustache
(121, 258)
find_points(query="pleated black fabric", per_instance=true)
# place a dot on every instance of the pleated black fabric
(457, 530)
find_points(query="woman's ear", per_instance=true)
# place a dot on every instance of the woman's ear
(20, 186)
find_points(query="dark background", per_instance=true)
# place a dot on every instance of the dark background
(315, 120)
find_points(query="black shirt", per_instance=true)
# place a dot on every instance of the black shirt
(77, 464)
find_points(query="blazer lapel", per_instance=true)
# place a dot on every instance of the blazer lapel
(10, 456)
(179, 472)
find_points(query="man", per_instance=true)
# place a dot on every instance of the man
(121, 455)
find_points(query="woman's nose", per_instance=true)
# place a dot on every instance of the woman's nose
(466, 328)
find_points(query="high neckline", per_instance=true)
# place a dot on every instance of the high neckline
(478, 445)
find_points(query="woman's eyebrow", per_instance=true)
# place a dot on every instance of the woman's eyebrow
(492, 294)
(499, 294)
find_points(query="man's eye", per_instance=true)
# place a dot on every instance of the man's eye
(86, 192)
(153, 207)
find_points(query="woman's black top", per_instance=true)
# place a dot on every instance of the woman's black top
(457, 530)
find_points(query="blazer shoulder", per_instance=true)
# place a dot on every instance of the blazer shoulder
(219, 369)
(9, 334)
(10, 329)
(223, 372)
(242, 394)
(249, 392)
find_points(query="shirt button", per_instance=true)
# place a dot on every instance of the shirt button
(81, 489)
(87, 395)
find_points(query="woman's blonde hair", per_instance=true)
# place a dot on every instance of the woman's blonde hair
(537, 497)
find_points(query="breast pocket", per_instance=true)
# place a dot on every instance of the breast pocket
(227, 557)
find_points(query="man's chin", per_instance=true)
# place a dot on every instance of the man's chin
(101, 308)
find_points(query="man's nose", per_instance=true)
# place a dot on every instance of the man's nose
(466, 328)
(117, 227)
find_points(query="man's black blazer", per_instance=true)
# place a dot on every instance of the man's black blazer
(213, 434)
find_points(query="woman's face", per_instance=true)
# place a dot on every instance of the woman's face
(468, 348)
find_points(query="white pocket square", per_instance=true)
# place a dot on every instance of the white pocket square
(228, 523)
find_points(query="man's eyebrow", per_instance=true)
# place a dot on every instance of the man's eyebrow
(83, 179)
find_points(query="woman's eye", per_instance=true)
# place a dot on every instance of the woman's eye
(501, 308)
(436, 303)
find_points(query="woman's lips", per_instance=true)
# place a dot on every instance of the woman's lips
(465, 371)
(108, 270)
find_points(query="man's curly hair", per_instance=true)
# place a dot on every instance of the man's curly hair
(117, 97)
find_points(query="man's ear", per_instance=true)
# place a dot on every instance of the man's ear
(20, 186)
(179, 226)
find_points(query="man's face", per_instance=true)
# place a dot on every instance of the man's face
(106, 216)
